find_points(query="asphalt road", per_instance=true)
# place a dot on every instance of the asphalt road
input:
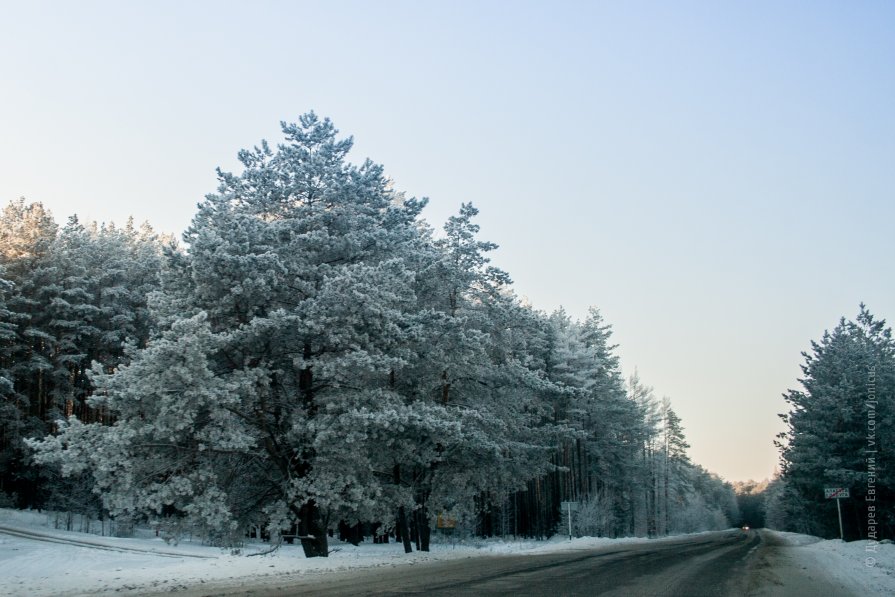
(731, 563)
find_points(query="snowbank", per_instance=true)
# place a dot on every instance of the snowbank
(867, 566)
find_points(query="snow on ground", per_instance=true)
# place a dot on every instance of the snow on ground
(867, 566)
(40, 566)
(562, 543)
(42, 569)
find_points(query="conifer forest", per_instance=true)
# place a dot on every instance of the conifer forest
(313, 359)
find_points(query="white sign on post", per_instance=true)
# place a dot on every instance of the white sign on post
(570, 507)
(835, 493)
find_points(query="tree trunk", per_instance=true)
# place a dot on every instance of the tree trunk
(402, 530)
(414, 535)
(422, 529)
(353, 534)
(311, 526)
(312, 531)
(667, 493)
(445, 387)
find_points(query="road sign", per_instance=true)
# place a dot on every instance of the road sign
(443, 522)
(835, 493)
(569, 507)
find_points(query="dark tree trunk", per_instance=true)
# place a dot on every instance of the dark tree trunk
(353, 534)
(423, 531)
(311, 526)
(312, 531)
(402, 530)
(445, 387)
(414, 533)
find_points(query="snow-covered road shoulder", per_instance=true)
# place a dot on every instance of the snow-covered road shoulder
(867, 567)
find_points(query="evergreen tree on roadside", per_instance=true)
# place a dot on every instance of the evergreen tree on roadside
(839, 426)
(295, 299)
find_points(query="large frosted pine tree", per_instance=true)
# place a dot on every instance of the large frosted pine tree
(287, 317)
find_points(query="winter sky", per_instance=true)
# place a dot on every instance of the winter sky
(716, 177)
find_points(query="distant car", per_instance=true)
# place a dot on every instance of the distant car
(745, 527)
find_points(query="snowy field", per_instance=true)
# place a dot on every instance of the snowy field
(46, 561)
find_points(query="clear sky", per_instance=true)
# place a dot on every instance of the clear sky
(717, 177)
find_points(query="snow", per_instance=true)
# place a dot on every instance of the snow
(867, 566)
(561, 543)
(43, 568)
(39, 568)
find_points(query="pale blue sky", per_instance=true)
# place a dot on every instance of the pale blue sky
(717, 177)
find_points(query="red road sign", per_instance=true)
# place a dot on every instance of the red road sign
(835, 493)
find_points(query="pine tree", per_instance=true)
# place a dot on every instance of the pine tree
(57, 312)
(294, 298)
(27, 235)
(10, 409)
(463, 373)
(317, 356)
(644, 400)
(837, 431)
(675, 462)
(612, 422)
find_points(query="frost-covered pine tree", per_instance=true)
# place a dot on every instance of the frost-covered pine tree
(483, 433)
(647, 436)
(612, 424)
(58, 312)
(10, 410)
(73, 317)
(286, 321)
(7, 335)
(317, 354)
(27, 235)
(675, 465)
